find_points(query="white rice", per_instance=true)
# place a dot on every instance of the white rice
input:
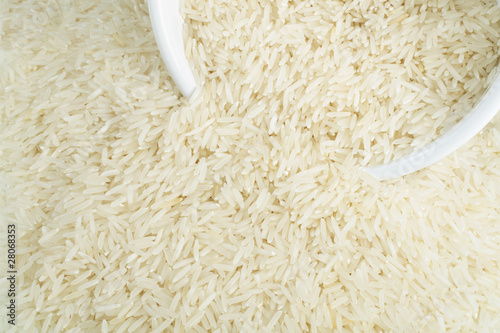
(243, 209)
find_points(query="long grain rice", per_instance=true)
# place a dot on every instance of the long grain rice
(243, 209)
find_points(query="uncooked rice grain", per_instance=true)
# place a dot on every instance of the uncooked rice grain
(243, 209)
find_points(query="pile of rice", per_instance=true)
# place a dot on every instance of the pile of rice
(243, 209)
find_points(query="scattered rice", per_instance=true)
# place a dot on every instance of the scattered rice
(243, 209)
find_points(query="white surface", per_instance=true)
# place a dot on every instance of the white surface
(462, 132)
(167, 27)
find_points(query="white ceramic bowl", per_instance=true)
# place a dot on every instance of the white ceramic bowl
(167, 27)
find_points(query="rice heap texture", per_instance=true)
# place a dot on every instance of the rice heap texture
(243, 209)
